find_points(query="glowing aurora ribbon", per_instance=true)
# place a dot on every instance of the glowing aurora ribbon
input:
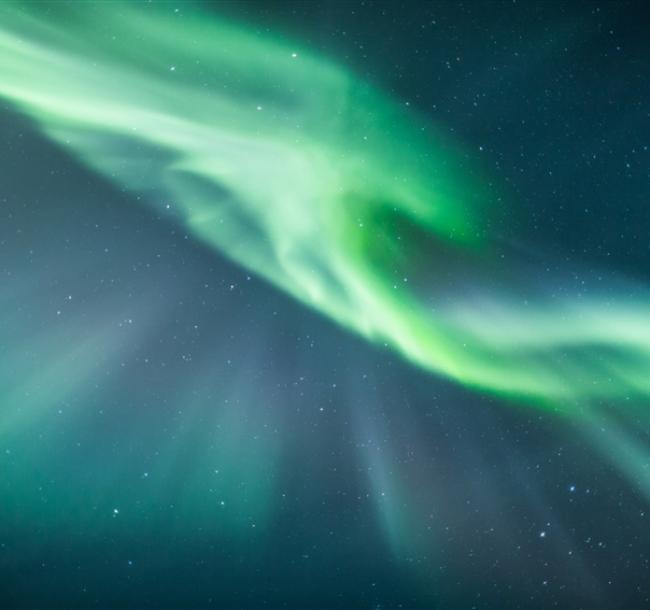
(321, 184)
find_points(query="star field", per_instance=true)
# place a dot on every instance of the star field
(324, 306)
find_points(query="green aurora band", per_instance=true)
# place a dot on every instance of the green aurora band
(323, 185)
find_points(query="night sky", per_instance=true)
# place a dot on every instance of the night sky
(325, 305)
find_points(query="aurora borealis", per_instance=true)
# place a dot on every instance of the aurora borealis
(337, 201)
(273, 309)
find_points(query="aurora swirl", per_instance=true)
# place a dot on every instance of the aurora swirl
(325, 186)
(324, 305)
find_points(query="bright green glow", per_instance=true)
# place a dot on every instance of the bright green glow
(323, 185)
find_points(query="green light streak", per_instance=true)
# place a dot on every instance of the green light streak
(323, 185)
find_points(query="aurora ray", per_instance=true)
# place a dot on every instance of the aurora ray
(333, 191)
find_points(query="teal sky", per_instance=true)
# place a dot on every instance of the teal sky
(349, 297)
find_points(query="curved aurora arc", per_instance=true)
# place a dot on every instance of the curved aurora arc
(321, 184)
